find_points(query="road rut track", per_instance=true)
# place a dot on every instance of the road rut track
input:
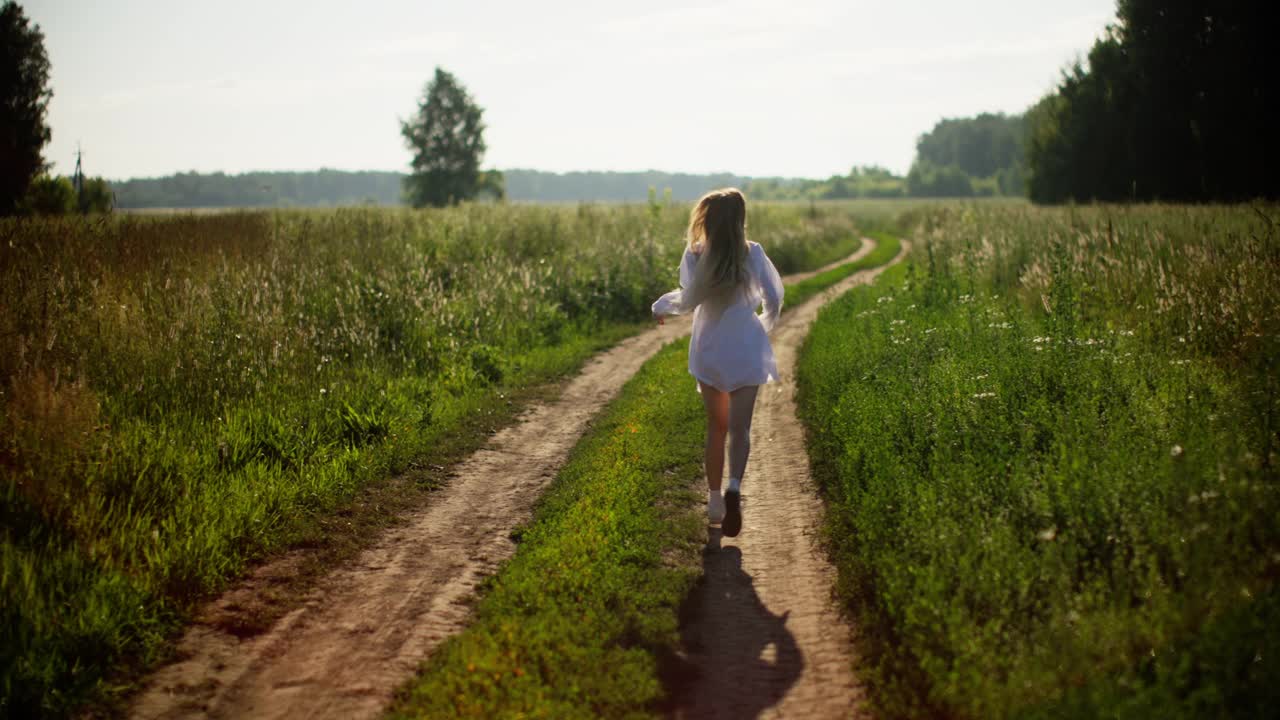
(765, 636)
(366, 627)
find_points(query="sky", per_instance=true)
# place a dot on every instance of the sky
(801, 88)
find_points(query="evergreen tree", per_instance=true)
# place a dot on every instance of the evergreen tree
(447, 139)
(24, 97)
(1177, 102)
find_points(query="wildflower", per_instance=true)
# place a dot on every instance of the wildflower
(897, 322)
(323, 391)
(1176, 451)
(982, 395)
(1048, 534)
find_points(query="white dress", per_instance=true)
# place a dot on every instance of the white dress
(732, 350)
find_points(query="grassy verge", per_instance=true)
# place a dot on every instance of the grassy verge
(579, 620)
(330, 515)
(886, 248)
(582, 620)
(1047, 500)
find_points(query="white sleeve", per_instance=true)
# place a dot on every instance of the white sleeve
(672, 302)
(770, 288)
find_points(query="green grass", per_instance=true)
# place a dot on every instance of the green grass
(181, 396)
(584, 618)
(1048, 449)
(578, 622)
(886, 249)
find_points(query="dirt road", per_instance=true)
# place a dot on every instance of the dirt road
(766, 637)
(366, 627)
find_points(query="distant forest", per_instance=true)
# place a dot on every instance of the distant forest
(961, 157)
(331, 188)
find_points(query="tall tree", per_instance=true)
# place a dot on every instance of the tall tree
(446, 137)
(24, 96)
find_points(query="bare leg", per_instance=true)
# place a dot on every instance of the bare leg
(717, 403)
(742, 404)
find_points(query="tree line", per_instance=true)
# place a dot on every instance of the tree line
(1176, 102)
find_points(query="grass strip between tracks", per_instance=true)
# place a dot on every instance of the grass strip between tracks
(582, 621)
(886, 248)
(575, 624)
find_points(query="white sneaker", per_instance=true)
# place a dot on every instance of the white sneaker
(715, 507)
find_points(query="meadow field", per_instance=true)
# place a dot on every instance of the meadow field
(1049, 448)
(183, 394)
(1047, 443)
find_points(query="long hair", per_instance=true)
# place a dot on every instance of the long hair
(718, 233)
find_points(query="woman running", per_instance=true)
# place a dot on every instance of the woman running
(723, 279)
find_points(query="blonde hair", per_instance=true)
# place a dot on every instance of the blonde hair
(718, 234)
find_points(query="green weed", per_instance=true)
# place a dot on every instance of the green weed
(1049, 451)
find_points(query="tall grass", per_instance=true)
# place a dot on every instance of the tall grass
(1050, 451)
(180, 395)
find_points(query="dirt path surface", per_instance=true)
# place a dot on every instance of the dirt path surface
(366, 627)
(765, 636)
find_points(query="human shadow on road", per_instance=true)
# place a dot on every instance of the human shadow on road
(741, 659)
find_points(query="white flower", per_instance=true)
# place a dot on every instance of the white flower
(982, 395)
(1175, 451)
(1048, 534)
